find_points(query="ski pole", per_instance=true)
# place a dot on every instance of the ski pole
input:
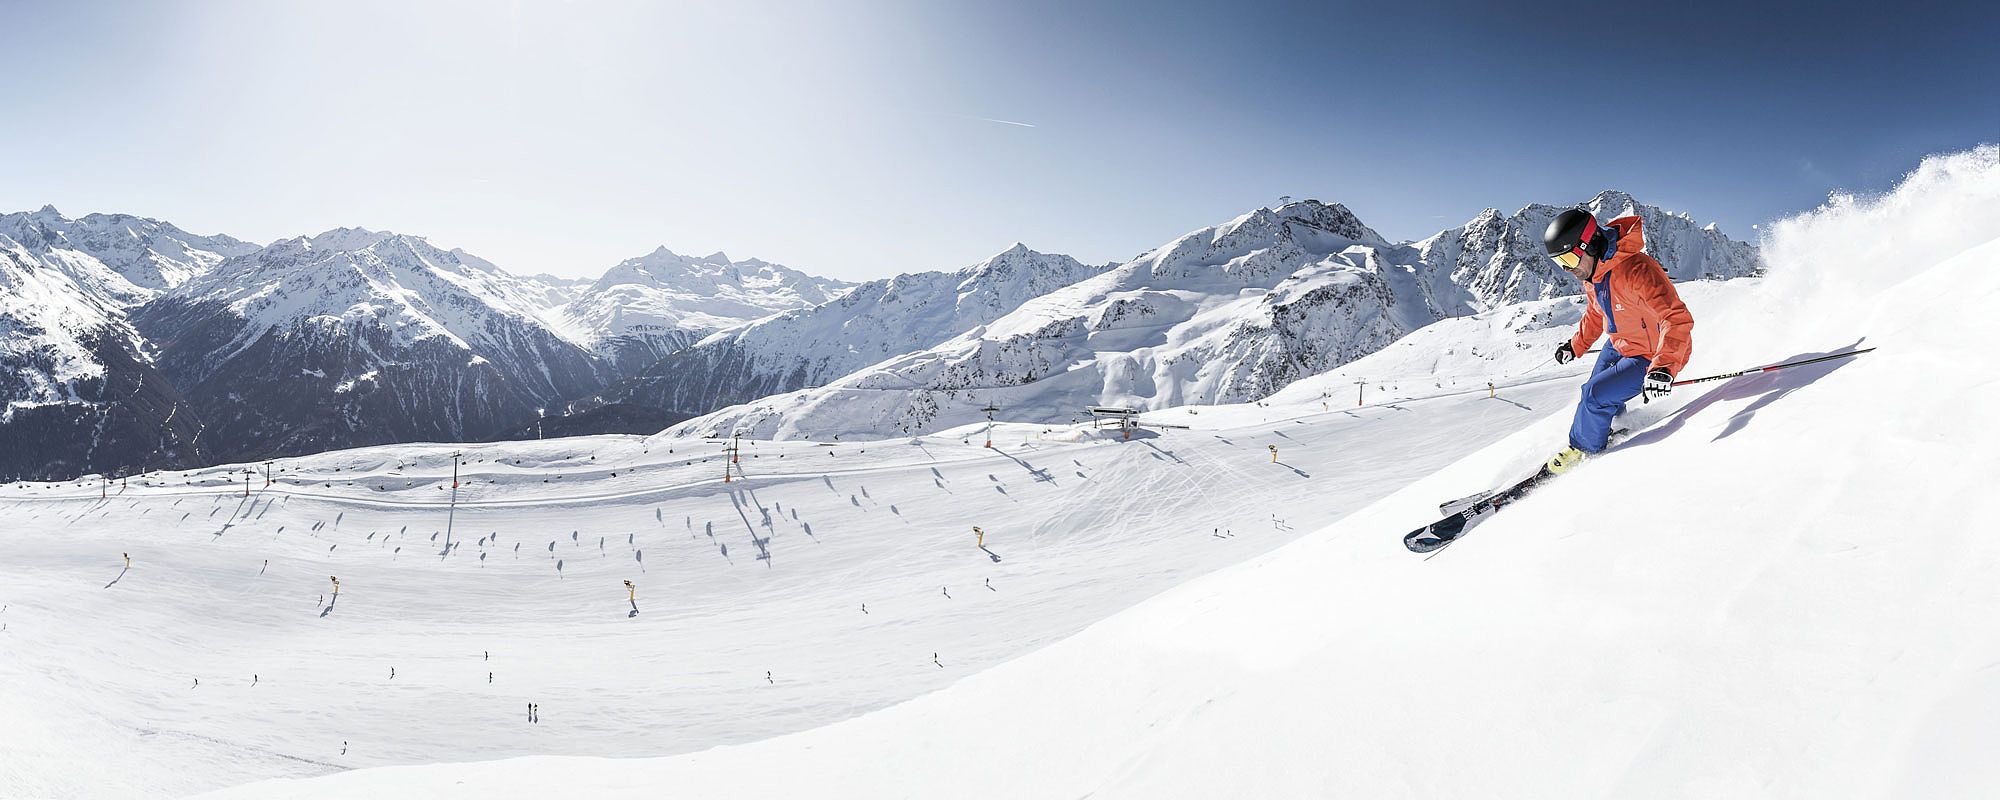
(1774, 367)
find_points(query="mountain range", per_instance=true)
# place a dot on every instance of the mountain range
(131, 344)
(1230, 313)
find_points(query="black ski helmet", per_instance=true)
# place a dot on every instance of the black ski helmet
(1574, 229)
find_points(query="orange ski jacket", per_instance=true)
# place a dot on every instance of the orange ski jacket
(1646, 317)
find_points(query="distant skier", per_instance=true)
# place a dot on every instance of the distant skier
(1630, 297)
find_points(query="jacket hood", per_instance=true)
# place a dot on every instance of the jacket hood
(1631, 240)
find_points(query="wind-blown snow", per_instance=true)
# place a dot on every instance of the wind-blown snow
(1781, 586)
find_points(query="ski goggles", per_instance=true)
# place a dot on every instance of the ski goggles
(1569, 259)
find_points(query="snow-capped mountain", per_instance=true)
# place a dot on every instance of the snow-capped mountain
(360, 337)
(551, 292)
(1499, 261)
(1230, 313)
(121, 258)
(80, 394)
(878, 319)
(646, 307)
(354, 336)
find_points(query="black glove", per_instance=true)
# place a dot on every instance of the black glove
(1658, 383)
(1565, 353)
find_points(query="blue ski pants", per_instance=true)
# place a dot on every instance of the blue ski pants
(1614, 380)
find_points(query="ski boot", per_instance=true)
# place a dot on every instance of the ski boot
(1561, 462)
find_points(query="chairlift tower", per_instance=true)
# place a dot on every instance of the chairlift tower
(989, 409)
(733, 453)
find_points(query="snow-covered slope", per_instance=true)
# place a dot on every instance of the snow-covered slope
(1225, 314)
(1498, 260)
(1795, 602)
(647, 307)
(359, 337)
(551, 292)
(849, 573)
(878, 319)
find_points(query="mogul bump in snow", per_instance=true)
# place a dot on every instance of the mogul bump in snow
(1631, 298)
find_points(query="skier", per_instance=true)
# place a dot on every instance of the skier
(1630, 297)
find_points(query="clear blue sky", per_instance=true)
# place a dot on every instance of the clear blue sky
(860, 139)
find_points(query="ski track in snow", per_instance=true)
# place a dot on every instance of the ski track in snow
(1080, 530)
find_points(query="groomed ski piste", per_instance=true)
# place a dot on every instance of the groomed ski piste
(1780, 585)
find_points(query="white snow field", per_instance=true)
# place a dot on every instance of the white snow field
(99, 663)
(1780, 587)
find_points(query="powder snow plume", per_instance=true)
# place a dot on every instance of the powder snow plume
(1830, 263)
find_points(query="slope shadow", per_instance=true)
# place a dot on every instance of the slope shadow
(1164, 453)
(1767, 387)
(121, 576)
(1037, 473)
(763, 544)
